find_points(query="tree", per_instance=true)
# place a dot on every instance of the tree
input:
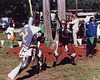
(61, 13)
(13, 8)
(88, 5)
(17, 9)
(47, 20)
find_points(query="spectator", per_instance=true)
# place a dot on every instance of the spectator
(25, 24)
(75, 28)
(3, 25)
(67, 18)
(91, 32)
(13, 22)
(42, 27)
(37, 22)
(10, 32)
(86, 20)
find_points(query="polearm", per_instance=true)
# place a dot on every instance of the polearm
(30, 21)
(30, 8)
(59, 23)
(58, 19)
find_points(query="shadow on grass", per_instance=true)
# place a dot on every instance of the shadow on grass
(95, 51)
(19, 40)
(31, 72)
(15, 45)
(64, 61)
(34, 69)
(98, 41)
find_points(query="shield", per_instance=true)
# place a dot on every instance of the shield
(26, 35)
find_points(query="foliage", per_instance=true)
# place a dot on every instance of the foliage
(19, 9)
(88, 5)
(12, 8)
(37, 4)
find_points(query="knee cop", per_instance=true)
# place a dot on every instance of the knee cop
(73, 55)
(25, 62)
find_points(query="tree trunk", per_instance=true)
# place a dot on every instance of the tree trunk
(76, 6)
(61, 14)
(47, 20)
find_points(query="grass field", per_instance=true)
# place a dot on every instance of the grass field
(86, 68)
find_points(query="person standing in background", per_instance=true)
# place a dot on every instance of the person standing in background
(10, 32)
(91, 33)
(75, 28)
(3, 25)
(13, 22)
(42, 27)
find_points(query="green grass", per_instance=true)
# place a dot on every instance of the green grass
(7, 62)
(84, 70)
(6, 45)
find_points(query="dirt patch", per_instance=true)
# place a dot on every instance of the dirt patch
(48, 52)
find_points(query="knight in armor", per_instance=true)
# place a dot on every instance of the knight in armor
(29, 53)
(64, 39)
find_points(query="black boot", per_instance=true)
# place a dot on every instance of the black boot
(72, 61)
(54, 64)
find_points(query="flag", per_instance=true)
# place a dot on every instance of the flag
(47, 43)
(2, 42)
(42, 28)
(26, 35)
(79, 41)
(19, 43)
(91, 39)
